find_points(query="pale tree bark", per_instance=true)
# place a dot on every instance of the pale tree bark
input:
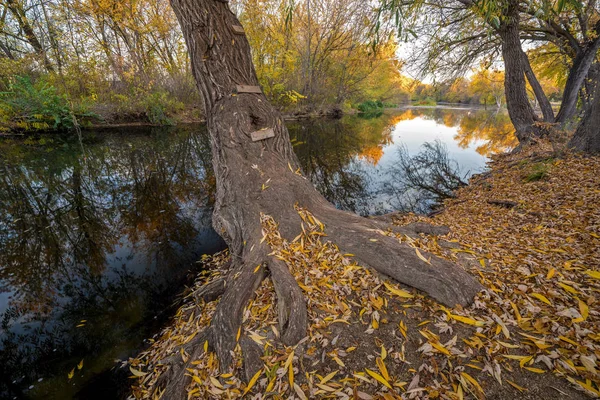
(258, 177)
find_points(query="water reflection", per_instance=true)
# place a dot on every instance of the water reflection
(95, 237)
(90, 243)
(354, 161)
(489, 131)
(336, 154)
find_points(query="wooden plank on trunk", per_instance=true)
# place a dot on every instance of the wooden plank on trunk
(248, 89)
(238, 29)
(262, 134)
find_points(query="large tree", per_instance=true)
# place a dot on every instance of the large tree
(261, 177)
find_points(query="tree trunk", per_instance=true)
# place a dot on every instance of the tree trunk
(541, 97)
(587, 136)
(577, 75)
(257, 177)
(19, 13)
(519, 109)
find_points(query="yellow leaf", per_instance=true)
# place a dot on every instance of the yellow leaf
(525, 361)
(508, 345)
(291, 374)
(516, 310)
(459, 392)
(584, 311)
(338, 361)
(440, 348)
(70, 374)
(252, 382)
(566, 339)
(519, 388)
(568, 288)
(536, 370)
(472, 381)
(593, 274)
(237, 337)
(466, 320)
(584, 385)
(136, 372)
(288, 361)
(80, 365)
(421, 256)
(541, 298)
(257, 268)
(515, 357)
(378, 378)
(270, 385)
(398, 292)
(328, 377)
(551, 273)
(382, 368)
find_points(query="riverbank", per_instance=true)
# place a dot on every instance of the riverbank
(528, 229)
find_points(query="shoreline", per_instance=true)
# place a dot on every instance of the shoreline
(334, 113)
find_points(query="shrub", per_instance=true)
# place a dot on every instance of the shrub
(37, 106)
(158, 106)
(426, 102)
(370, 106)
(537, 172)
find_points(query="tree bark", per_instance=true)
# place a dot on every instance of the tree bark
(519, 109)
(587, 136)
(258, 177)
(19, 13)
(577, 75)
(541, 97)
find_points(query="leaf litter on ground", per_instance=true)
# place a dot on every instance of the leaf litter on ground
(533, 333)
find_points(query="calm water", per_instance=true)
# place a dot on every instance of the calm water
(97, 238)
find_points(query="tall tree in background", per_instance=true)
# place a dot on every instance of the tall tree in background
(256, 178)
(459, 34)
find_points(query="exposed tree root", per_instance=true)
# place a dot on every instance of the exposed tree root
(174, 380)
(293, 317)
(442, 280)
(227, 319)
(211, 291)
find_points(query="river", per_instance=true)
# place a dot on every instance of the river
(99, 236)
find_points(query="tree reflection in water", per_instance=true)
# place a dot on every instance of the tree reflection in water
(96, 237)
(335, 155)
(419, 182)
(106, 235)
(342, 157)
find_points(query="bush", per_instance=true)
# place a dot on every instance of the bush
(426, 102)
(37, 106)
(159, 105)
(370, 106)
(537, 172)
